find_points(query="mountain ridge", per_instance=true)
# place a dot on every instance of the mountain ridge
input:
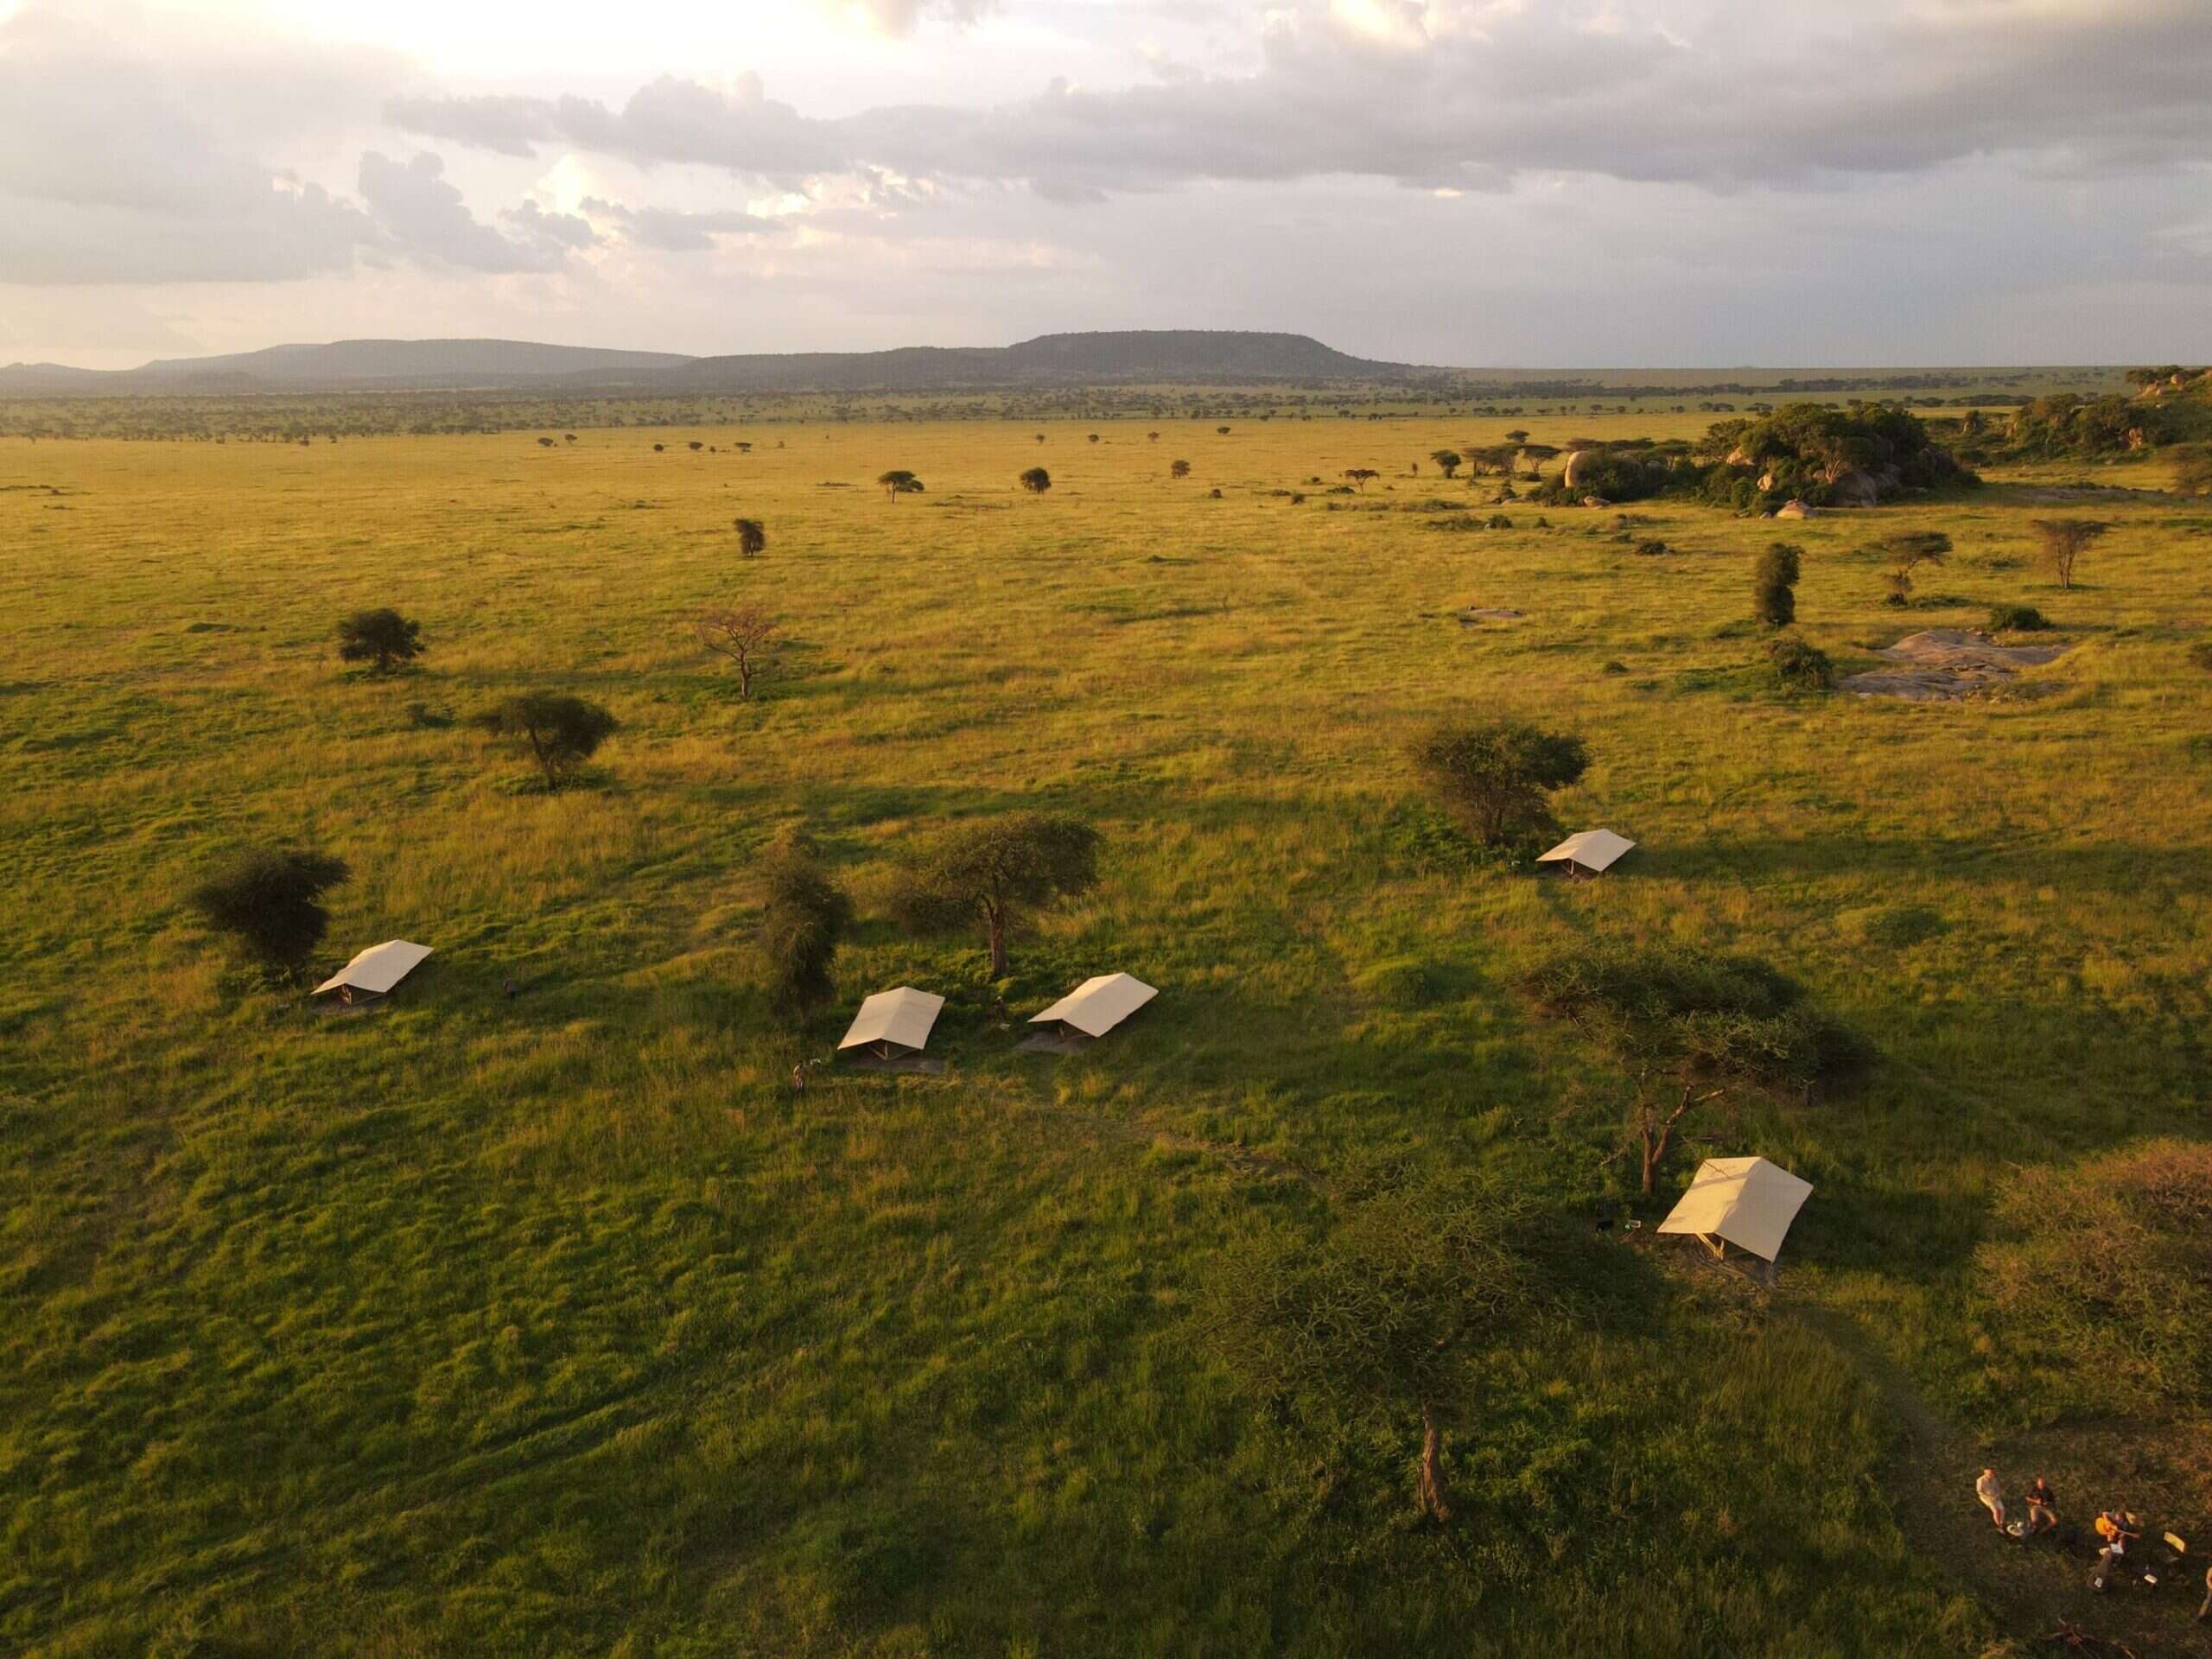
(1104, 357)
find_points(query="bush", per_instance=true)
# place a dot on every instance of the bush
(2099, 1276)
(2200, 654)
(2016, 618)
(1774, 583)
(803, 917)
(1799, 665)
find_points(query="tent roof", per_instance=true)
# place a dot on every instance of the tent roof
(902, 1016)
(1098, 1005)
(379, 968)
(1747, 1201)
(1592, 849)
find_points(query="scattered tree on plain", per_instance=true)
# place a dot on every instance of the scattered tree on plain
(269, 902)
(803, 917)
(1179, 469)
(997, 871)
(1380, 1318)
(1036, 480)
(899, 483)
(1497, 777)
(2063, 541)
(382, 639)
(561, 732)
(1773, 585)
(751, 536)
(1361, 475)
(1907, 551)
(545, 443)
(748, 634)
(1447, 460)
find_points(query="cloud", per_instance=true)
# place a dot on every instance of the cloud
(137, 158)
(1472, 95)
(667, 230)
(426, 218)
(898, 18)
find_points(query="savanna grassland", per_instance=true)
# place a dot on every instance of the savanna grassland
(557, 1325)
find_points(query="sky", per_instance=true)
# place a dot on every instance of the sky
(1572, 183)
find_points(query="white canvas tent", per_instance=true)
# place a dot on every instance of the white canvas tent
(1097, 1005)
(1746, 1202)
(375, 970)
(893, 1022)
(1590, 853)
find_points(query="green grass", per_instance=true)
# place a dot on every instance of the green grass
(556, 1325)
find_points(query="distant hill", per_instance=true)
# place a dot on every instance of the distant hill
(1183, 356)
(345, 365)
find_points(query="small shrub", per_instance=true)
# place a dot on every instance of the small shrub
(1651, 547)
(1799, 665)
(2200, 654)
(2016, 618)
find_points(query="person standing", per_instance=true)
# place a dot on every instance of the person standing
(1992, 1495)
(2042, 1507)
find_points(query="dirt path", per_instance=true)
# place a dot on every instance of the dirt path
(2030, 1589)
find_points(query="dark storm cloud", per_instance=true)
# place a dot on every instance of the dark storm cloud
(1753, 95)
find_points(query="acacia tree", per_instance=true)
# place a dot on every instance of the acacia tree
(897, 482)
(561, 732)
(1179, 469)
(1773, 585)
(1379, 1318)
(1908, 551)
(1036, 480)
(2063, 540)
(996, 872)
(1517, 435)
(1446, 460)
(751, 536)
(1495, 777)
(268, 901)
(803, 918)
(382, 639)
(747, 634)
(1360, 475)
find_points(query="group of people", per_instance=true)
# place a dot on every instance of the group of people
(2116, 1528)
(2042, 1505)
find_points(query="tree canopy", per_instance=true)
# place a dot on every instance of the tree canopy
(560, 732)
(1496, 777)
(382, 639)
(897, 482)
(995, 872)
(268, 901)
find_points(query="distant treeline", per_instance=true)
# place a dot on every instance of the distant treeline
(330, 416)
